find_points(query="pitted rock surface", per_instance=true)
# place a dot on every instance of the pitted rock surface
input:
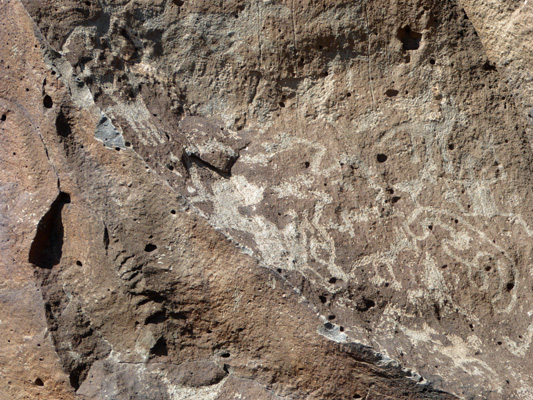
(266, 199)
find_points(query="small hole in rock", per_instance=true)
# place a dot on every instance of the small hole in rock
(395, 199)
(331, 317)
(510, 286)
(328, 325)
(173, 212)
(381, 158)
(47, 102)
(322, 299)
(432, 61)
(341, 328)
(170, 167)
(39, 382)
(281, 104)
(307, 164)
(348, 94)
(499, 343)
(4, 117)
(127, 144)
(451, 146)
(150, 247)
(332, 280)
(488, 268)
(225, 355)
(117, 148)
(79, 263)
(357, 396)
(391, 92)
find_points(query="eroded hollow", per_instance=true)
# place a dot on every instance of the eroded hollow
(150, 247)
(160, 348)
(62, 125)
(47, 101)
(46, 248)
(381, 158)
(410, 39)
(391, 92)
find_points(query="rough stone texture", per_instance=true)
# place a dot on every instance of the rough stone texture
(266, 199)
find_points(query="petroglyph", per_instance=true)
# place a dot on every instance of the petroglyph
(305, 234)
(372, 157)
(314, 219)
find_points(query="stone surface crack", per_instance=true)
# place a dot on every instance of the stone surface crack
(370, 84)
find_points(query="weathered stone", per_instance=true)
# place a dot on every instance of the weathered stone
(319, 200)
(199, 373)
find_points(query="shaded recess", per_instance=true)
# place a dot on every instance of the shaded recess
(410, 39)
(46, 248)
(62, 125)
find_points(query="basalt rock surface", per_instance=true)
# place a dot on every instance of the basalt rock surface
(266, 199)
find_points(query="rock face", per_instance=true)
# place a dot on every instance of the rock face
(266, 199)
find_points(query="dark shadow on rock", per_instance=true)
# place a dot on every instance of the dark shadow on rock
(46, 248)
